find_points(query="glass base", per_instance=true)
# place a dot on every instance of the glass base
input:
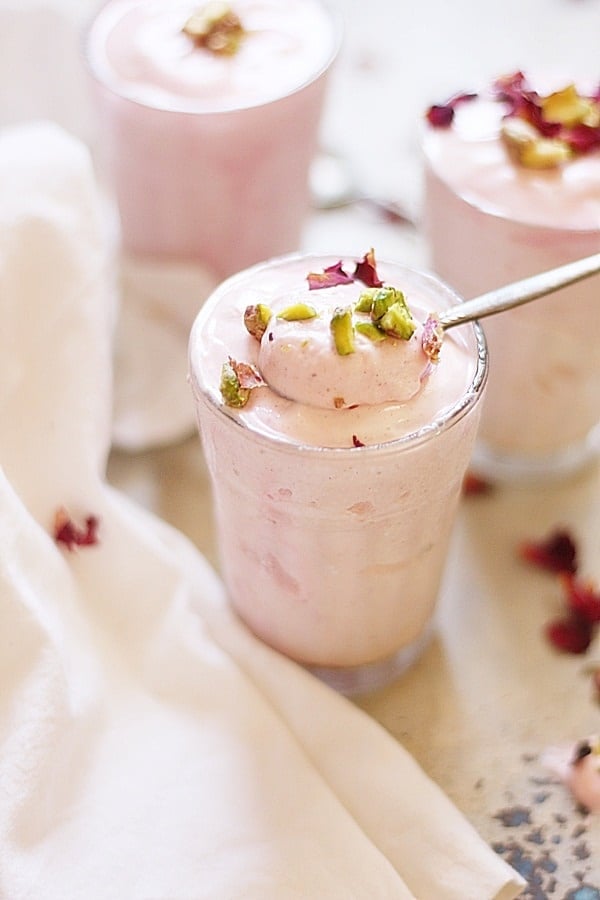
(528, 469)
(354, 680)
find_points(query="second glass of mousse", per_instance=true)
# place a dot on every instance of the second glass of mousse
(208, 118)
(337, 435)
(512, 188)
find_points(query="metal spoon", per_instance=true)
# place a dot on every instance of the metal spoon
(511, 295)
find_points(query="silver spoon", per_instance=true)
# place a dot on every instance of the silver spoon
(511, 295)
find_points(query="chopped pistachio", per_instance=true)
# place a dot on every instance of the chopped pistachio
(545, 153)
(517, 133)
(231, 390)
(523, 141)
(568, 108)
(365, 301)
(383, 298)
(342, 330)
(297, 312)
(398, 322)
(216, 27)
(370, 330)
(256, 319)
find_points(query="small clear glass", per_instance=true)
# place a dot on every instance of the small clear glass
(541, 417)
(221, 187)
(334, 556)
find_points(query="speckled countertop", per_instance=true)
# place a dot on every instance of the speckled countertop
(489, 694)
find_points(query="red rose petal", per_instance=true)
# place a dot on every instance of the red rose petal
(583, 598)
(366, 270)
(441, 115)
(475, 484)
(248, 375)
(581, 138)
(71, 535)
(570, 634)
(329, 277)
(556, 554)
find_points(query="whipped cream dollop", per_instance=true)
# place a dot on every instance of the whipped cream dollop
(311, 394)
(298, 359)
(140, 50)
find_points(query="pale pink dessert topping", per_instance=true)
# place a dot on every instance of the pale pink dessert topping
(333, 372)
(149, 52)
(299, 361)
(515, 152)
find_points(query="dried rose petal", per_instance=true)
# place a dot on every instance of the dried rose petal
(432, 338)
(329, 277)
(582, 596)
(441, 115)
(248, 375)
(570, 634)
(514, 90)
(474, 485)
(356, 442)
(581, 138)
(71, 535)
(366, 270)
(556, 554)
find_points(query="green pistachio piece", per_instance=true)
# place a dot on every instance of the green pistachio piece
(383, 298)
(370, 330)
(398, 322)
(342, 330)
(530, 150)
(256, 319)
(297, 312)
(517, 134)
(231, 390)
(546, 153)
(365, 301)
(567, 107)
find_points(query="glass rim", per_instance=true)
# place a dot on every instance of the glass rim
(449, 417)
(337, 30)
(488, 209)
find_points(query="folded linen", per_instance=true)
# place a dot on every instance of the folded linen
(150, 747)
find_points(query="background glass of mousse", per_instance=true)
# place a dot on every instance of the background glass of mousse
(209, 153)
(333, 549)
(490, 221)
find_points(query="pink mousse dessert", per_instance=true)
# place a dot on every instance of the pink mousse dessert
(512, 188)
(337, 450)
(208, 120)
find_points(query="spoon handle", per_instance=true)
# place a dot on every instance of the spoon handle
(520, 292)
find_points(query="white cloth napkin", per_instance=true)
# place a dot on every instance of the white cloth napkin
(43, 75)
(150, 748)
